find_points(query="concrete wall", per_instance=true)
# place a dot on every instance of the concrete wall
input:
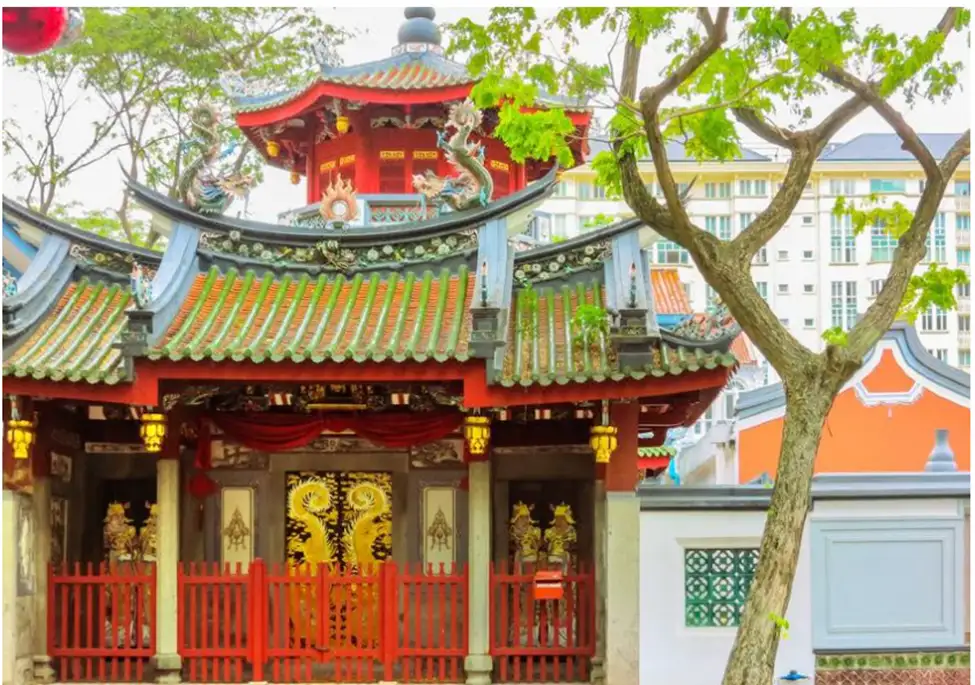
(880, 579)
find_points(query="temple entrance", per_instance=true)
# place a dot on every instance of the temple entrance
(338, 524)
(556, 506)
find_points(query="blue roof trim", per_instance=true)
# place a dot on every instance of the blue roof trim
(761, 400)
(886, 147)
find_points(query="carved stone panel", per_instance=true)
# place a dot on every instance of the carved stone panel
(439, 526)
(237, 526)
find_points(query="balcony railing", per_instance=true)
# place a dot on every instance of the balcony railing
(964, 340)
(963, 237)
(963, 203)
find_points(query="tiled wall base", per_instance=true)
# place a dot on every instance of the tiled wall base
(913, 668)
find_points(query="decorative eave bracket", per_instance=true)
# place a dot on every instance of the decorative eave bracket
(492, 290)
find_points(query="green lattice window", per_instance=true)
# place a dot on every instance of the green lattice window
(716, 583)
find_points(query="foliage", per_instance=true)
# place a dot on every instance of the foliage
(147, 68)
(527, 312)
(588, 322)
(598, 220)
(104, 223)
(726, 71)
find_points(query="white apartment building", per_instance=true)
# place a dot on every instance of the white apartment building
(815, 273)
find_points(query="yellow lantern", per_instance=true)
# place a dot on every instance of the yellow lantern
(602, 440)
(153, 431)
(273, 148)
(20, 435)
(295, 178)
(342, 124)
(477, 431)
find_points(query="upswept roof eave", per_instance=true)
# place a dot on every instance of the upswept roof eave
(376, 234)
(19, 213)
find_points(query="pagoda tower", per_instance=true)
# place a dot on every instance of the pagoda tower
(368, 129)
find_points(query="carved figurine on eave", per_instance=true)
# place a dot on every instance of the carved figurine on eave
(141, 286)
(473, 185)
(203, 186)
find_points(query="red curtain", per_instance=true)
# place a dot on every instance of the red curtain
(282, 432)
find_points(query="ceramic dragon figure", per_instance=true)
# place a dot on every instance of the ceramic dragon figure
(202, 186)
(473, 186)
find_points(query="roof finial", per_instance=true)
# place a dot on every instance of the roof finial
(942, 459)
(418, 33)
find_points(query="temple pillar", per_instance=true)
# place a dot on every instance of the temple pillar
(620, 589)
(8, 540)
(597, 671)
(43, 670)
(167, 657)
(478, 663)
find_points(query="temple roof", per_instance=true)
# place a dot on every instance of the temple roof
(448, 292)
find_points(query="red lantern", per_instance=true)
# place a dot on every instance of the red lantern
(32, 30)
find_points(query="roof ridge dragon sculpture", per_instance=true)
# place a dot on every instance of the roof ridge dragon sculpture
(202, 186)
(473, 185)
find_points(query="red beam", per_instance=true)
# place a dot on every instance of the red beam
(286, 371)
(142, 391)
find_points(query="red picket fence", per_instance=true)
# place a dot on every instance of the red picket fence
(101, 623)
(322, 623)
(546, 641)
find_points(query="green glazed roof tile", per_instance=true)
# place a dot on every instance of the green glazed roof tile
(242, 316)
(541, 347)
(74, 342)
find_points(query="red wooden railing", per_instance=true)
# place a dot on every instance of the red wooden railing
(322, 623)
(278, 623)
(544, 641)
(101, 621)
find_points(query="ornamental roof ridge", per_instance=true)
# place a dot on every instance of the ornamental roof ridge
(245, 230)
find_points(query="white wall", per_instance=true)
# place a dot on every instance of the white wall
(672, 654)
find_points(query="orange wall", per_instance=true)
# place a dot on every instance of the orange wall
(868, 439)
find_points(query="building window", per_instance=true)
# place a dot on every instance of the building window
(940, 352)
(963, 222)
(668, 252)
(882, 244)
(888, 185)
(784, 322)
(562, 189)
(716, 585)
(842, 242)
(710, 295)
(807, 255)
(585, 191)
(559, 225)
(753, 188)
(809, 323)
(934, 320)
(964, 256)
(719, 226)
(938, 247)
(782, 255)
(744, 220)
(761, 257)
(843, 304)
(717, 190)
(963, 188)
(762, 288)
(598, 192)
(876, 285)
(964, 290)
(964, 358)
(807, 220)
(809, 288)
(783, 288)
(688, 290)
(839, 186)
(964, 323)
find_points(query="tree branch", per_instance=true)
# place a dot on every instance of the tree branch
(910, 251)
(764, 129)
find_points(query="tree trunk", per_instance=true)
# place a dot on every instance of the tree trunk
(808, 399)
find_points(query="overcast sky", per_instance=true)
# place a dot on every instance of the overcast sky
(100, 185)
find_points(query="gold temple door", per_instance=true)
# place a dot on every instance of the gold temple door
(342, 520)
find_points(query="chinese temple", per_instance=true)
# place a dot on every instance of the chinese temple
(373, 443)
